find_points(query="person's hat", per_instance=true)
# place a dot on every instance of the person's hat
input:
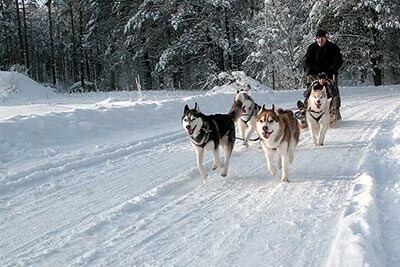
(321, 75)
(320, 33)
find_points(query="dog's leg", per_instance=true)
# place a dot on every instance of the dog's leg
(322, 133)
(313, 127)
(251, 131)
(242, 128)
(227, 155)
(291, 155)
(285, 165)
(279, 163)
(269, 156)
(200, 166)
(217, 161)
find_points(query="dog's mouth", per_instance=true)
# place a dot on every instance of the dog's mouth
(267, 134)
(318, 104)
(191, 131)
(243, 110)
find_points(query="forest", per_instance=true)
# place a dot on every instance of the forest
(93, 45)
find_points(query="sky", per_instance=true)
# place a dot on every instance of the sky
(110, 179)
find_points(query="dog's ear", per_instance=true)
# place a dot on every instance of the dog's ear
(237, 91)
(261, 109)
(273, 107)
(186, 108)
(196, 107)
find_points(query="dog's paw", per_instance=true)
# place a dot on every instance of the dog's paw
(223, 174)
(284, 180)
(214, 167)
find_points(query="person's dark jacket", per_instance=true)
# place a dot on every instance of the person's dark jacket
(331, 89)
(326, 59)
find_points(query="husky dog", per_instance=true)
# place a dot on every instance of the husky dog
(279, 132)
(210, 131)
(317, 115)
(248, 114)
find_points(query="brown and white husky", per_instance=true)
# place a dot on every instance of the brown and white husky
(279, 132)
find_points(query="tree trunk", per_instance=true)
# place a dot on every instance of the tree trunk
(73, 67)
(27, 62)
(376, 58)
(228, 37)
(52, 61)
(21, 44)
(377, 71)
(81, 53)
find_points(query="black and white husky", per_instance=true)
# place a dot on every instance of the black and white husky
(249, 110)
(210, 131)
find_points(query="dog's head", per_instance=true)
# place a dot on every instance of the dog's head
(192, 120)
(247, 102)
(268, 122)
(318, 99)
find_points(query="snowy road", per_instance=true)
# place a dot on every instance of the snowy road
(117, 186)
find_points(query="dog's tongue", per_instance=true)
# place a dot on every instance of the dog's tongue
(190, 132)
(318, 105)
(267, 134)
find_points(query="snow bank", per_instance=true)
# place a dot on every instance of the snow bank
(357, 240)
(16, 87)
(102, 119)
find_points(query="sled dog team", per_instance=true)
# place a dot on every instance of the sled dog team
(277, 129)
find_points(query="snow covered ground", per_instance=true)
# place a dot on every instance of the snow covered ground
(105, 180)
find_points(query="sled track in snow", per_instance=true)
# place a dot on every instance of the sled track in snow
(42, 173)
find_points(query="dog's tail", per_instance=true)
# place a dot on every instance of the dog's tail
(236, 110)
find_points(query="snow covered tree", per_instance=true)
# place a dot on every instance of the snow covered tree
(277, 38)
(364, 28)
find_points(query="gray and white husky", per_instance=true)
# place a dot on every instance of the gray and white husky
(317, 115)
(249, 110)
(207, 132)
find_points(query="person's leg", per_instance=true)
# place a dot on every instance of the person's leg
(336, 101)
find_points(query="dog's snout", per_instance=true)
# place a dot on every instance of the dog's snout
(188, 127)
(265, 128)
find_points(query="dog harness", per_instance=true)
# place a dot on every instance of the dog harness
(255, 110)
(205, 134)
(318, 112)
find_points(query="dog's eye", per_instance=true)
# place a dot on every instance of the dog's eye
(185, 119)
(271, 121)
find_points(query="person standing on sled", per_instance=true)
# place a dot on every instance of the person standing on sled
(324, 56)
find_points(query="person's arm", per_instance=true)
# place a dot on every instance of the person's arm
(309, 61)
(307, 92)
(337, 60)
